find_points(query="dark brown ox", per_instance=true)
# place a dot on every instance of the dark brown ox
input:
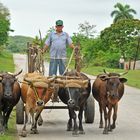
(35, 98)
(75, 95)
(108, 89)
(9, 96)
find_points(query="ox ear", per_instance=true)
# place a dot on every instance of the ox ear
(123, 80)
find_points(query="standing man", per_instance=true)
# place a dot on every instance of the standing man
(121, 63)
(57, 42)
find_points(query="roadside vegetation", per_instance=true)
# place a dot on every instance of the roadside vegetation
(11, 133)
(133, 76)
(7, 64)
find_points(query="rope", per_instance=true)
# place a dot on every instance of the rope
(36, 94)
(69, 61)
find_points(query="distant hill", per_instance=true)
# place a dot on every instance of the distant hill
(18, 44)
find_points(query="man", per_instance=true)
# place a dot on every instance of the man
(57, 42)
(121, 63)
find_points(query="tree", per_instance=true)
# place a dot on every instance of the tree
(123, 12)
(4, 24)
(86, 29)
(120, 37)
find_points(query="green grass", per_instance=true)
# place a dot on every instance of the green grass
(6, 62)
(133, 76)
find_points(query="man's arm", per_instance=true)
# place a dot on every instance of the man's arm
(45, 48)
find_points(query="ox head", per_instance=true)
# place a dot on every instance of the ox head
(113, 85)
(76, 87)
(37, 83)
(76, 95)
(8, 80)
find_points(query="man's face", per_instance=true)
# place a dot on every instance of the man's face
(59, 28)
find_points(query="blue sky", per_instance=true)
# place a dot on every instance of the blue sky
(28, 16)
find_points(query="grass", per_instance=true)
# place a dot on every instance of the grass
(7, 64)
(133, 76)
(11, 133)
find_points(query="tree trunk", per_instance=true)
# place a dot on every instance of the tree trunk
(136, 54)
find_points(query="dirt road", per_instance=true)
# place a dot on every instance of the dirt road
(55, 121)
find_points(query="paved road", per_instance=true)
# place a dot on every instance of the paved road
(55, 121)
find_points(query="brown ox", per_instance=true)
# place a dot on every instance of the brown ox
(108, 89)
(9, 96)
(35, 98)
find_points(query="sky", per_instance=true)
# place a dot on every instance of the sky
(30, 16)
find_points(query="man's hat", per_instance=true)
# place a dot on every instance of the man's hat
(59, 23)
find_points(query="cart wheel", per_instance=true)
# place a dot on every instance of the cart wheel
(89, 110)
(20, 112)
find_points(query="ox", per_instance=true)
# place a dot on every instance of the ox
(75, 95)
(35, 95)
(108, 89)
(9, 96)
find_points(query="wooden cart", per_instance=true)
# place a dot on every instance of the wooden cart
(36, 63)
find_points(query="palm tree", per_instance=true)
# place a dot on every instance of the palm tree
(123, 12)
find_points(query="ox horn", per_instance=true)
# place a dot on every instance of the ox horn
(120, 74)
(15, 74)
(105, 71)
(18, 73)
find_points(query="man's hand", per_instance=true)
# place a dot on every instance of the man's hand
(72, 46)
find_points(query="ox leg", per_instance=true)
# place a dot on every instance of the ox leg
(80, 116)
(24, 132)
(40, 120)
(6, 117)
(105, 117)
(1, 124)
(34, 128)
(75, 129)
(32, 118)
(113, 126)
(101, 116)
(109, 117)
(69, 125)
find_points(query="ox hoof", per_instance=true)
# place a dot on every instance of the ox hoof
(75, 133)
(23, 134)
(113, 126)
(69, 129)
(110, 129)
(40, 123)
(105, 131)
(81, 132)
(101, 126)
(34, 131)
(1, 133)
